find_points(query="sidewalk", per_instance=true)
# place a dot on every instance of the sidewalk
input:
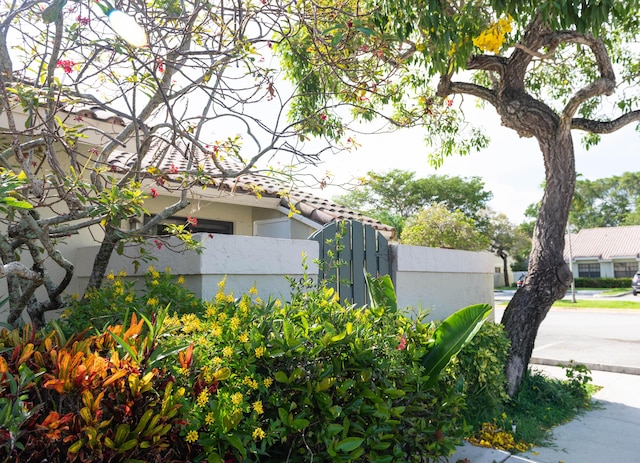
(609, 433)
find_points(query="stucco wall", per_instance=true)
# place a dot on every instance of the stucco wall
(245, 261)
(442, 280)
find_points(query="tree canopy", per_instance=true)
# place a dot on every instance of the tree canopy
(394, 196)
(546, 67)
(438, 227)
(607, 202)
(194, 77)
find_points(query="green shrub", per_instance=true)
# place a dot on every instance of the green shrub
(118, 298)
(312, 380)
(481, 367)
(603, 282)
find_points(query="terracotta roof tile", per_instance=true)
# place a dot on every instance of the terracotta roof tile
(318, 209)
(605, 243)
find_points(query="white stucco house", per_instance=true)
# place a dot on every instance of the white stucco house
(607, 252)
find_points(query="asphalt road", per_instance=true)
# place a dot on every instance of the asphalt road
(603, 339)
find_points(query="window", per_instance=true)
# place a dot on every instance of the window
(625, 269)
(497, 270)
(589, 270)
(219, 227)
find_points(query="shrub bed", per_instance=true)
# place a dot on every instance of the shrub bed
(240, 379)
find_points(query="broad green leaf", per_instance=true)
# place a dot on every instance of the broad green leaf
(451, 336)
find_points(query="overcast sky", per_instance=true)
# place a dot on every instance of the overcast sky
(511, 167)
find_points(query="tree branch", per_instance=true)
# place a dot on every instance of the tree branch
(605, 85)
(589, 125)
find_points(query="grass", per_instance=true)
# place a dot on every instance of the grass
(542, 403)
(598, 304)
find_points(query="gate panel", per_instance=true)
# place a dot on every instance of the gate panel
(347, 249)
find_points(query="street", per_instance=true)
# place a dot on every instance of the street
(602, 337)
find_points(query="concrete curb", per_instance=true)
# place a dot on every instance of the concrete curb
(627, 370)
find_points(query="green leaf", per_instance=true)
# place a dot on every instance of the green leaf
(451, 336)
(349, 444)
(381, 292)
(281, 377)
(51, 13)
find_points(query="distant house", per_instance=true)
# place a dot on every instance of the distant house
(609, 252)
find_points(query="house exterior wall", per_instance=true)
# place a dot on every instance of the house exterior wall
(441, 280)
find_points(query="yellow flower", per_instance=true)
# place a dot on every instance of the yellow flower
(258, 434)
(267, 382)
(277, 303)
(257, 406)
(209, 419)
(129, 299)
(237, 398)
(210, 310)
(216, 361)
(259, 351)
(203, 398)
(118, 290)
(155, 275)
(234, 323)
(222, 316)
(227, 351)
(180, 280)
(244, 337)
(215, 330)
(122, 274)
(111, 276)
(192, 436)
(152, 301)
(253, 290)
(155, 282)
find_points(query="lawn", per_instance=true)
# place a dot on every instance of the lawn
(591, 304)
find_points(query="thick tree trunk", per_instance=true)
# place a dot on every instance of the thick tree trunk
(549, 276)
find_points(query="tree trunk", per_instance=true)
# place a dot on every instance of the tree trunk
(549, 276)
(101, 262)
(505, 266)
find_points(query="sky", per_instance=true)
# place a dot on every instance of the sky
(511, 167)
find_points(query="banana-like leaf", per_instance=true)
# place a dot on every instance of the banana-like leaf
(381, 292)
(451, 336)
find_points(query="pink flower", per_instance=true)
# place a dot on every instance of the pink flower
(403, 343)
(173, 169)
(83, 21)
(323, 116)
(158, 244)
(154, 193)
(66, 64)
(192, 221)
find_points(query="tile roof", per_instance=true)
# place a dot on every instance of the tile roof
(605, 243)
(169, 158)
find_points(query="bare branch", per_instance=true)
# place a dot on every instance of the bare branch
(589, 125)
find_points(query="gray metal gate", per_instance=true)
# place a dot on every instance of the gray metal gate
(347, 249)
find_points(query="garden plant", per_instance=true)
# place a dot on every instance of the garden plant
(233, 379)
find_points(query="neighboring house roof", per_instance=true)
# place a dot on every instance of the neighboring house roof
(168, 158)
(604, 243)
